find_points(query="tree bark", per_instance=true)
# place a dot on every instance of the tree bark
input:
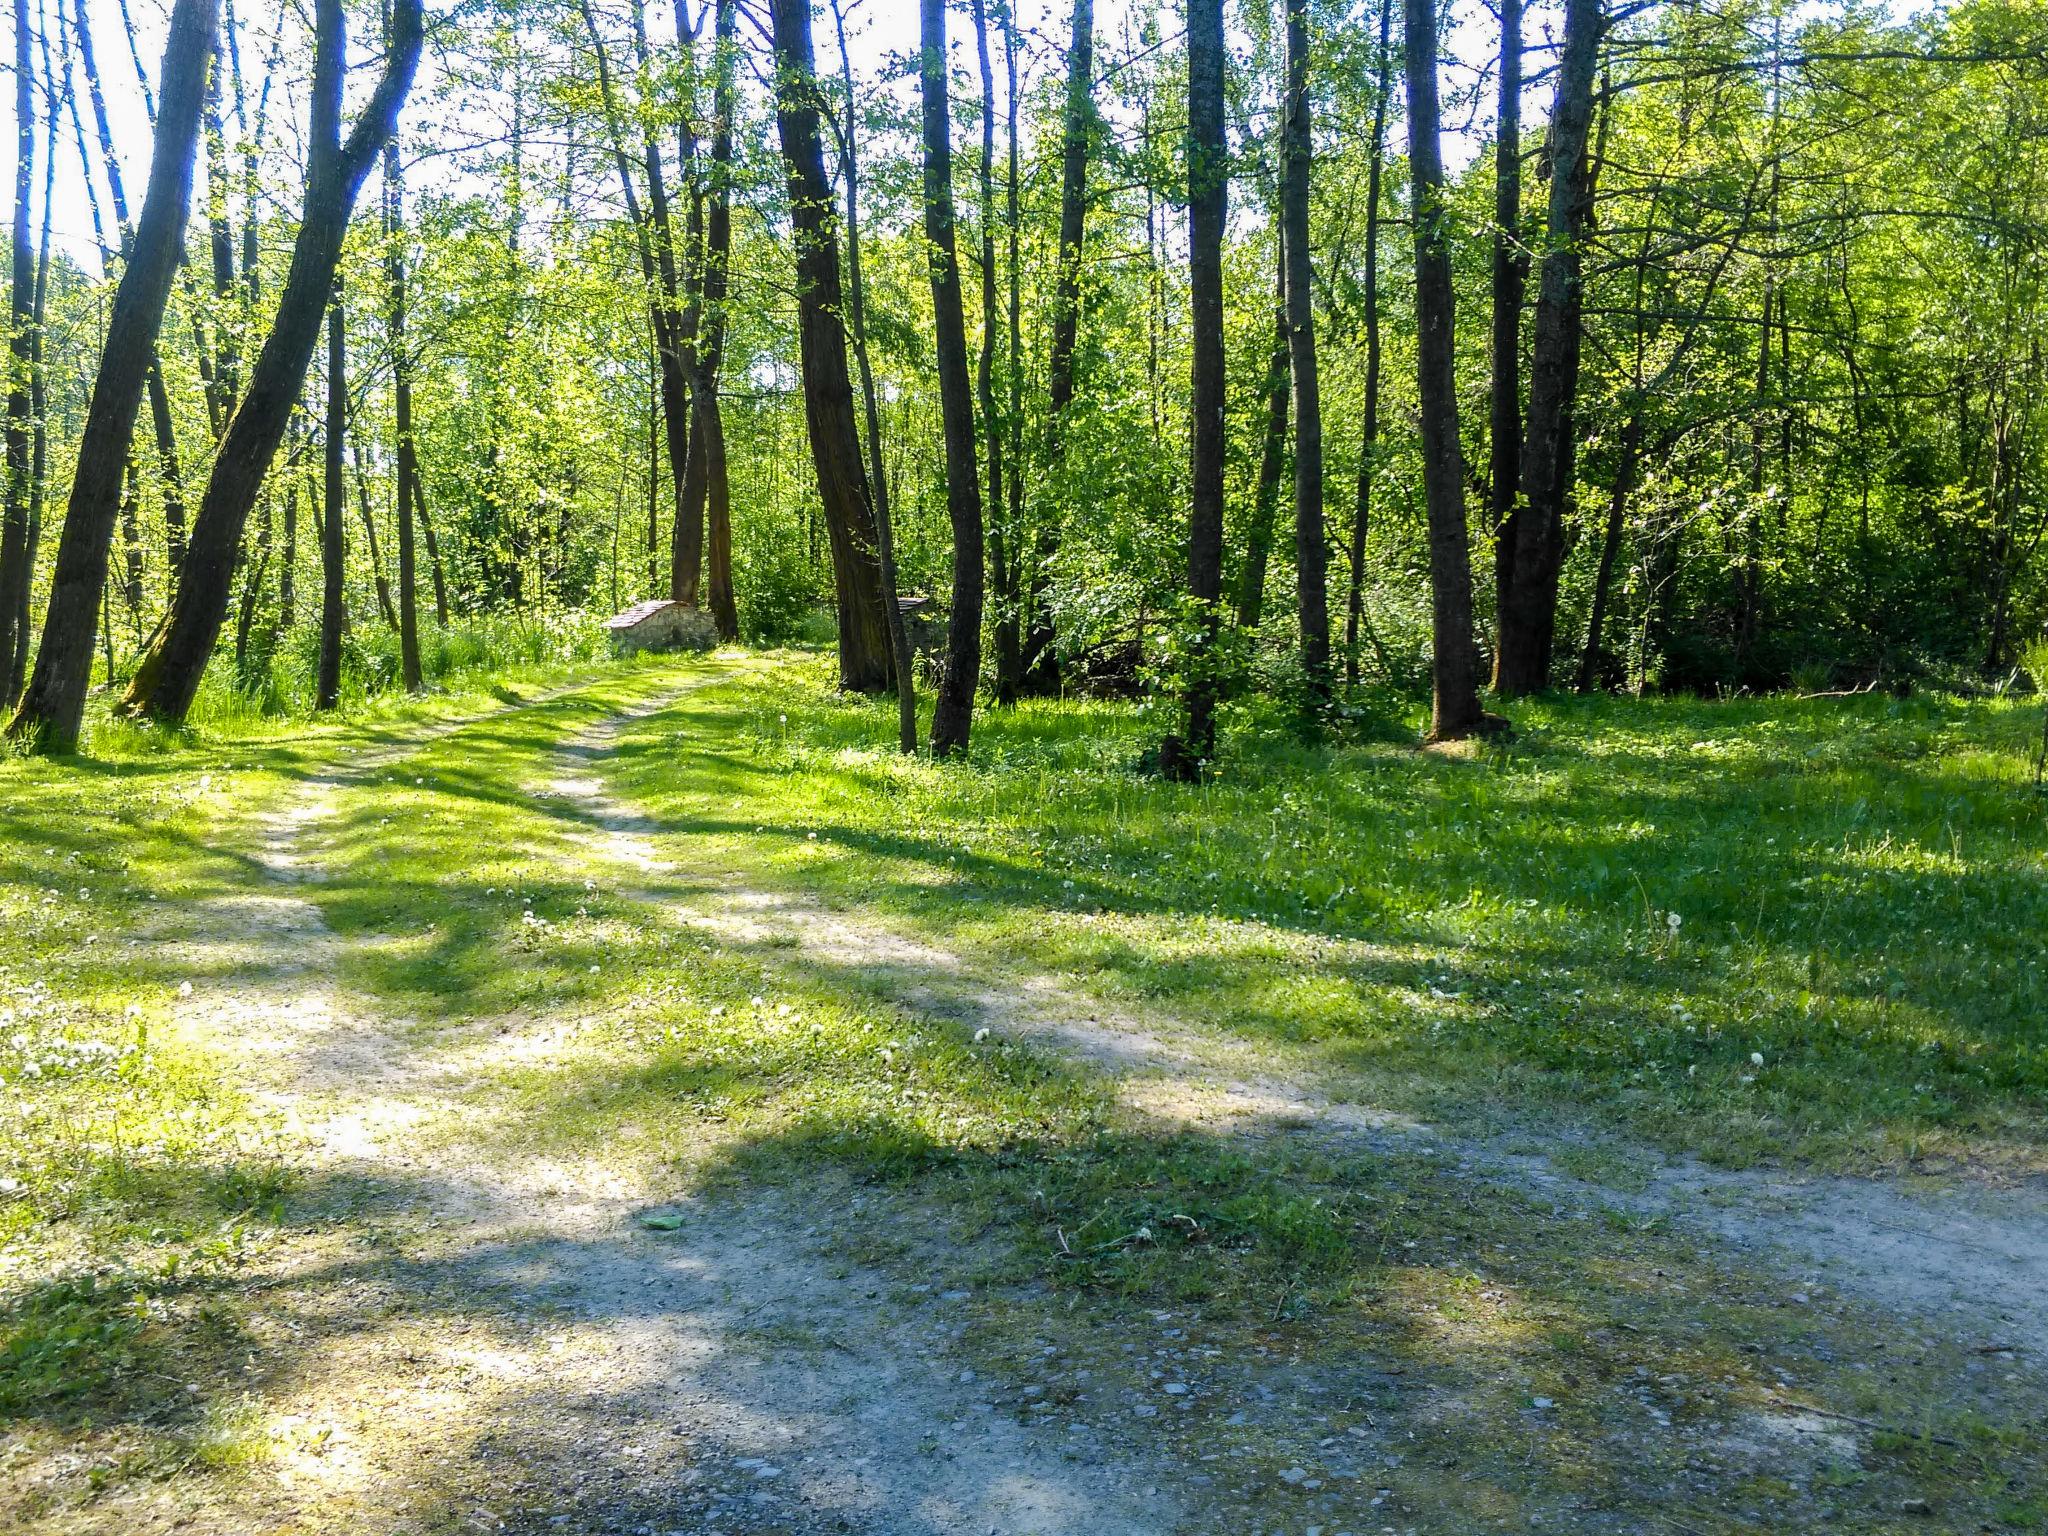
(717, 267)
(12, 683)
(997, 429)
(1529, 620)
(878, 480)
(14, 571)
(1184, 757)
(171, 475)
(371, 545)
(170, 671)
(953, 711)
(1009, 621)
(406, 467)
(1510, 283)
(1455, 708)
(657, 272)
(334, 521)
(843, 491)
(1368, 453)
(54, 706)
(1251, 590)
(1311, 549)
(1041, 658)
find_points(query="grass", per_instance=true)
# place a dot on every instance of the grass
(1750, 929)
(1486, 938)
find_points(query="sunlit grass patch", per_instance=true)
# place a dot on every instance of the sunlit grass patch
(1746, 929)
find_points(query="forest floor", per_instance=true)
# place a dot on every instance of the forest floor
(642, 1103)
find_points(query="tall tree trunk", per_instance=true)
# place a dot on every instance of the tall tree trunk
(371, 543)
(406, 469)
(168, 470)
(1185, 756)
(686, 536)
(953, 711)
(334, 520)
(1455, 709)
(1610, 547)
(1510, 282)
(1311, 549)
(54, 705)
(652, 237)
(227, 363)
(1258, 549)
(170, 671)
(878, 479)
(14, 571)
(717, 267)
(1529, 621)
(12, 683)
(985, 381)
(1041, 659)
(1009, 618)
(843, 491)
(1368, 453)
(419, 500)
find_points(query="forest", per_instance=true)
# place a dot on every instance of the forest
(1741, 331)
(1048, 766)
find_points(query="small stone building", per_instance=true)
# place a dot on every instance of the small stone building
(661, 625)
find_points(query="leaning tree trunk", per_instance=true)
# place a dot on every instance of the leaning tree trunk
(1455, 712)
(1184, 757)
(54, 705)
(1528, 623)
(1311, 551)
(14, 571)
(953, 711)
(172, 476)
(334, 522)
(169, 675)
(843, 493)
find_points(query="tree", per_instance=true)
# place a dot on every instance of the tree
(1311, 552)
(1510, 280)
(169, 673)
(1455, 711)
(54, 705)
(1008, 658)
(1184, 756)
(710, 419)
(334, 521)
(406, 448)
(1529, 618)
(878, 479)
(1040, 660)
(1368, 452)
(864, 648)
(953, 711)
(14, 568)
